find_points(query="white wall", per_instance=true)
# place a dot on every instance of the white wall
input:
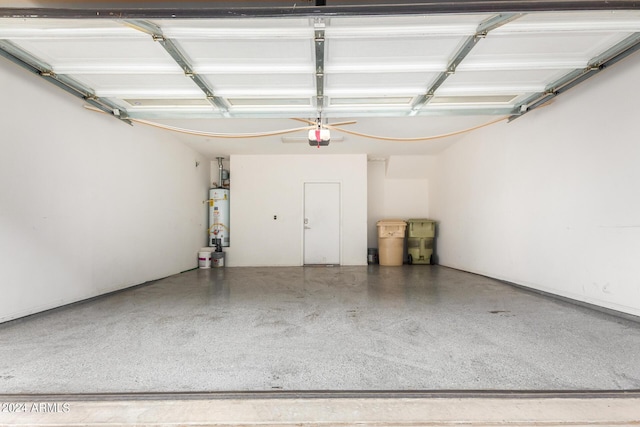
(552, 200)
(398, 187)
(264, 186)
(88, 204)
(376, 171)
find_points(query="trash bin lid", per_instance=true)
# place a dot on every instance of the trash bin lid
(421, 220)
(390, 222)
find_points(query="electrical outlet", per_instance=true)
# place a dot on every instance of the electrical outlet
(275, 217)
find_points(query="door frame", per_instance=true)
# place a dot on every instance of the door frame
(340, 202)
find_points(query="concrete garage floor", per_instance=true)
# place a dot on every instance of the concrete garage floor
(319, 328)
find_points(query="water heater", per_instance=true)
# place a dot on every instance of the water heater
(219, 217)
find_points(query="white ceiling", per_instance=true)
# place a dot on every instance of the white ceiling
(397, 76)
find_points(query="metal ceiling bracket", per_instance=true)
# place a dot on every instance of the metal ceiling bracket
(611, 56)
(481, 32)
(496, 22)
(319, 41)
(181, 59)
(36, 66)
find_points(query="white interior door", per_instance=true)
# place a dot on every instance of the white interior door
(321, 223)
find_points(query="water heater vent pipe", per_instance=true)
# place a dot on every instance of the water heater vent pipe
(220, 168)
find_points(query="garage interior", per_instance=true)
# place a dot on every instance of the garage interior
(511, 124)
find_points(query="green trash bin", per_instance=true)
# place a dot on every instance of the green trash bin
(420, 235)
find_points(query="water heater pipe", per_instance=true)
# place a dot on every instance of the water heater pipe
(220, 167)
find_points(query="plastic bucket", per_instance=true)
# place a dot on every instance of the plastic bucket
(204, 259)
(217, 259)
